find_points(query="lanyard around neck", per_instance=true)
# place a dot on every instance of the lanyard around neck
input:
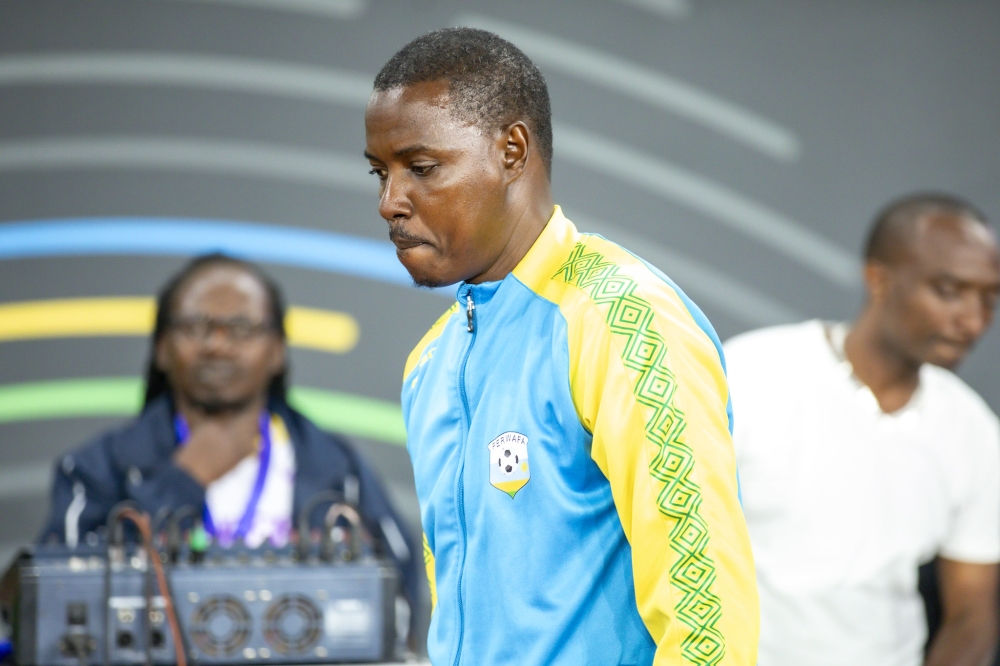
(182, 432)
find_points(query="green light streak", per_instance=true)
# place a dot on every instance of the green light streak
(348, 414)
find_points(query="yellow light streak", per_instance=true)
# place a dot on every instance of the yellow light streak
(308, 328)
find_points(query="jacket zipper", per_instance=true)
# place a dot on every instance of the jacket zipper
(470, 312)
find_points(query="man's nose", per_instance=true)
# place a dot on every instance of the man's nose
(395, 200)
(974, 317)
(217, 340)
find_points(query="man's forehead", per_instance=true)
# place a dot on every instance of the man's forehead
(433, 93)
(421, 112)
(956, 246)
(424, 100)
(224, 282)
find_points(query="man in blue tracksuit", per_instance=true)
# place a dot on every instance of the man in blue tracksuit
(568, 418)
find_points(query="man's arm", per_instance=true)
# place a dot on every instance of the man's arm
(655, 403)
(968, 633)
(88, 483)
(84, 489)
(383, 519)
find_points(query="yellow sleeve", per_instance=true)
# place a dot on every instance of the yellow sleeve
(648, 384)
(431, 572)
(418, 355)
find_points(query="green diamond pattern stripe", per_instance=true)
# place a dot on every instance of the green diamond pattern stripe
(643, 351)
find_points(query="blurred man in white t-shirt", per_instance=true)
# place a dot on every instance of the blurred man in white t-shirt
(862, 456)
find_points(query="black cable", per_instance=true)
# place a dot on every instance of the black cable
(147, 624)
(305, 542)
(116, 536)
(141, 521)
(160, 517)
(174, 541)
(350, 514)
(174, 528)
(185, 646)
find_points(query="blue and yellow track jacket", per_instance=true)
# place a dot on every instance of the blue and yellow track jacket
(569, 428)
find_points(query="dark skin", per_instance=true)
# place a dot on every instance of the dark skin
(462, 203)
(930, 304)
(220, 382)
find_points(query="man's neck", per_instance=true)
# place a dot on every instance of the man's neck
(892, 377)
(528, 224)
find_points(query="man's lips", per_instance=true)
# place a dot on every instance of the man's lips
(406, 243)
(216, 373)
(960, 345)
(403, 240)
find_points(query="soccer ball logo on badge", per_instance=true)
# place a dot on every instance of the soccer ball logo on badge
(509, 469)
(506, 462)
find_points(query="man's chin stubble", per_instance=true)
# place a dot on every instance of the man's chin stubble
(216, 407)
(428, 283)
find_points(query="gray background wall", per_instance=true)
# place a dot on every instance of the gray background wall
(741, 147)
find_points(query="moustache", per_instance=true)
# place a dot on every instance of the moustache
(214, 372)
(398, 233)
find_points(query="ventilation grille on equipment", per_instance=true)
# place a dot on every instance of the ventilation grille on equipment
(293, 624)
(220, 626)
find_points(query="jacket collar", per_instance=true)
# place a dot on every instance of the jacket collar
(156, 426)
(548, 253)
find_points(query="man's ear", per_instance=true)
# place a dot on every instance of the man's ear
(878, 279)
(279, 354)
(516, 143)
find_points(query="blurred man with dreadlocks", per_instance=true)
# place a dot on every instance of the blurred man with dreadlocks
(216, 431)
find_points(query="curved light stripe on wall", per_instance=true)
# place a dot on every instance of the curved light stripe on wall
(672, 9)
(303, 248)
(624, 163)
(331, 85)
(647, 85)
(308, 328)
(238, 158)
(334, 169)
(338, 9)
(122, 396)
(706, 285)
(673, 183)
(260, 77)
(329, 251)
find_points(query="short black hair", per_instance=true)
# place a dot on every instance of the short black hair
(896, 222)
(491, 81)
(157, 383)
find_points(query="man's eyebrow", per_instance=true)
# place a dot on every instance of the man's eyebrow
(964, 282)
(403, 152)
(409, 150)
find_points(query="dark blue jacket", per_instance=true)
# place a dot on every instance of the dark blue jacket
(136, 463)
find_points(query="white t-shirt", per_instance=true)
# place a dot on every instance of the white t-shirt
(227, 496)
(844, 502)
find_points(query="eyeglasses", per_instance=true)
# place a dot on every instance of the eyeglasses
(237, 329)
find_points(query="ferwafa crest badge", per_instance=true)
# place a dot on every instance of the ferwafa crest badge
(509, 469)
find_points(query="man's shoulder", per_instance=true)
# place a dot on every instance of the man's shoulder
(949, 392)
(628, 290)
(133, 443)
(604, 269)
(429, 337)
(301, 428)
(773, 343)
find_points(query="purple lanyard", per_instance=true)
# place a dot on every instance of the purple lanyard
(182, 432)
